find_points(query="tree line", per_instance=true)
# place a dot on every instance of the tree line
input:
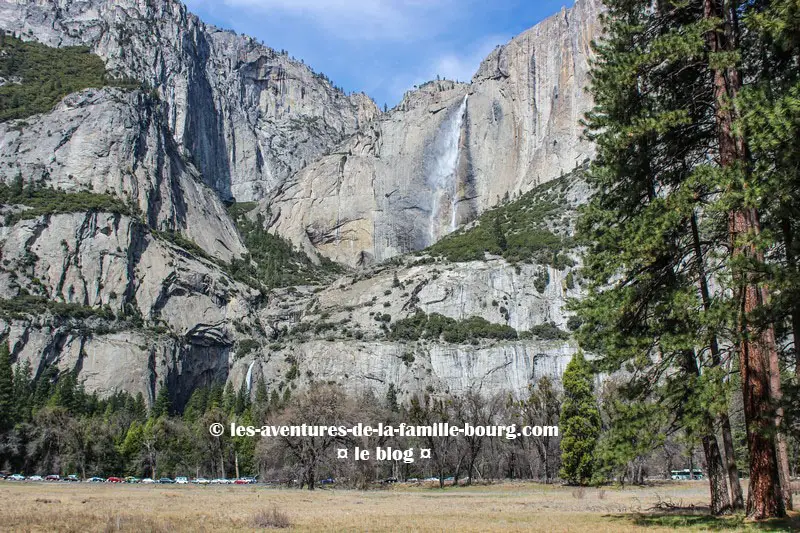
(51, 425)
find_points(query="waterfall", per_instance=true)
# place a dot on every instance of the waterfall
(443, 176)
(249, 378)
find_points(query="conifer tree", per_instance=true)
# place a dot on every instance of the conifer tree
(6, 388)
(652, 234)
(163, 404)
(580, 422)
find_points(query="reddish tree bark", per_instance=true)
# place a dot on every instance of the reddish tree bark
(757, 351)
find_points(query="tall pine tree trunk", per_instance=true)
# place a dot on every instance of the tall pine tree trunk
(737, 498)
(756, 345)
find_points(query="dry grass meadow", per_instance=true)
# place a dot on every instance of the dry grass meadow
(502, 507)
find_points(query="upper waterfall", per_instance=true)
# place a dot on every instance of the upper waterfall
(443, 177)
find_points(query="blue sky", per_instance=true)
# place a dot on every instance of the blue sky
(381, 47)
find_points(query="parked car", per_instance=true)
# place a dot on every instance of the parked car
(95, 479)
(53, 477)
(250, 480)
(132, 479)
(148, 481)
(166, 480)
(35, 478)
(180, 480)
(4, 474)
(114, 479)
(17, 477)
(72, 478)
(328, 481)
(200, 481)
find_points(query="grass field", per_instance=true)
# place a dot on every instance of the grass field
(502, 507)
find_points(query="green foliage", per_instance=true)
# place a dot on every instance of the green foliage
(580, 422)
(518, 231)
(48, 201)
(541, 281)
(181, 241)
(245, 346)
(391, 398)
(46, 75)
(635, 430)
(272, 261)
(7, 403)
(439, 327)
(163, 403)
(547, 331)
(26, 305)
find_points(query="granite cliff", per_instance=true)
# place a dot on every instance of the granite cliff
(122, 259)
(246, 115)
(449, 151)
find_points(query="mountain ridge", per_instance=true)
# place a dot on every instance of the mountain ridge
(165, 293)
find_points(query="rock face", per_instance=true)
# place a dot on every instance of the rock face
(155, 313)
(117, 142)
(111, 296)
(247, 116)
(449, 151)
(340, 333)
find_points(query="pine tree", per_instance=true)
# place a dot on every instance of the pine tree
(242, 399)
(769, 494)
(391, 398)
(23, 391)
(163, 404)
(6, 389)
(229, 399)
(652, 232)
(580, 422)
(770, 124)
(262, 394)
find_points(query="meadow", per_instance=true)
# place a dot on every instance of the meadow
(509, 506)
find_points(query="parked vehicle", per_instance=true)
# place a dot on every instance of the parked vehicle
(250, 480)
(166, 480)
(95, 479)
(53, 477)
(114, 479)
(35, 478)
(180, 480)
(4, 474)
(132, 479)
(200, 481)
(686, 474)
(148, 481)
(17, 477)
(328, 481)
(72, 478)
